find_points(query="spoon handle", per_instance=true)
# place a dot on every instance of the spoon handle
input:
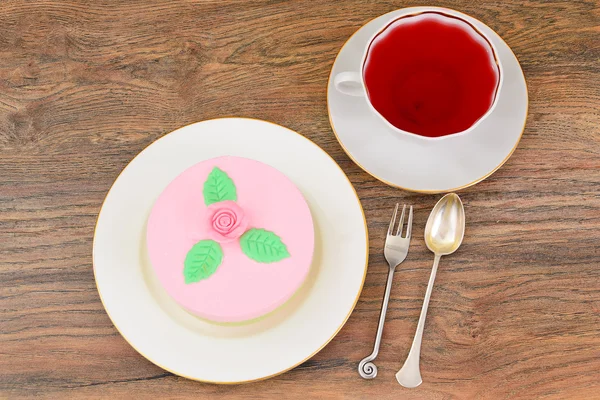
(366, 368)
(409, 375)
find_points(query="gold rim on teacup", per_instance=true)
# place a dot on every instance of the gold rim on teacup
(352, 83)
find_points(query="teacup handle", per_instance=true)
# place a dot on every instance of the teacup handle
(349, 83)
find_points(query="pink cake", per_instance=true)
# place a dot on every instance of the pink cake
(230, 239)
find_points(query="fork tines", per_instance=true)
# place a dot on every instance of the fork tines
(401, 223)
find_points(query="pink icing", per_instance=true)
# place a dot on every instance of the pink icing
(226, 221)
(241, 288)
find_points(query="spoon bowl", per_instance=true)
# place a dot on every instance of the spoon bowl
(445, 226)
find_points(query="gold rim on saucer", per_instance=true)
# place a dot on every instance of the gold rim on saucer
(427, 9)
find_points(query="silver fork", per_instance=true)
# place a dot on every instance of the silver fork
(395, 251)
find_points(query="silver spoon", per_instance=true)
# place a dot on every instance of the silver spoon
(443, 235)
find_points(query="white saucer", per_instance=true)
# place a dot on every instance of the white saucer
(435, 166)
(177, 341)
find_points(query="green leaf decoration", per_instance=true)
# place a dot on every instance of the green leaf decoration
(218, 187)
(263, 246)
(202, 261)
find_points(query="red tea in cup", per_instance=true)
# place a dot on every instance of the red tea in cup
(431, 74)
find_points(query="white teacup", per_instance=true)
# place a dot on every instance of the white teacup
(353, 83)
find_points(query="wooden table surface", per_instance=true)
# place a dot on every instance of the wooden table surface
(84, 86)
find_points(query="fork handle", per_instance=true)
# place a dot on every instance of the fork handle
(366, 368)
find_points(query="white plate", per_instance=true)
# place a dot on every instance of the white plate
(438, 165)
(185, 345)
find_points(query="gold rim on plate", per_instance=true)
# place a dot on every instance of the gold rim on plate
(277, 373)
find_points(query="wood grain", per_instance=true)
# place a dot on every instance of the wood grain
(84, 86)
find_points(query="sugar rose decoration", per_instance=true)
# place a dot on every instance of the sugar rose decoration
(227, 222)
